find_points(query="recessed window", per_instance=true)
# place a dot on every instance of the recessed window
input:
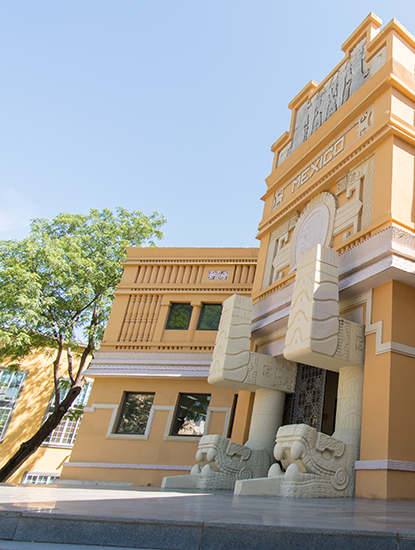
(209, 317)
(134, 413)
(179, 317)
(191, 414)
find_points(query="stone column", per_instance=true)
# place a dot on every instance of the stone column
(266, 418)
(349, 405)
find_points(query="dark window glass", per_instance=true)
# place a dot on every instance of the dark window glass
(191, 414)
(210, 317)
(179, 316)
(134, 413)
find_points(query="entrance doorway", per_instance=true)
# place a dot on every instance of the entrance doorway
(314, 401)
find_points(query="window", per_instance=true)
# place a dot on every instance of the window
(191, 414)
(179, 317)
(209, 317)
(65, 433)
(134, 413)
(39, 479)
(11, 384)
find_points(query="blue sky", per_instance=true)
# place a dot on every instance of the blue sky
(165, 105)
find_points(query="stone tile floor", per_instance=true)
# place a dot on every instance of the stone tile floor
(213, 510)
(211, 506)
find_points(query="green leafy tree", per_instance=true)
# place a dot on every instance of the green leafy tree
(57, 284)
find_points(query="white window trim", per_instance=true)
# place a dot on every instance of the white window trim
(169, 423)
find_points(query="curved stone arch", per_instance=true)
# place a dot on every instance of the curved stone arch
(315, 225)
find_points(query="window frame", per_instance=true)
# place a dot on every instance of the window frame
(201, 316)
(67, 428)
(121, 412)
(50, 478)
(10, 404)
(172, 305)
(177, 411)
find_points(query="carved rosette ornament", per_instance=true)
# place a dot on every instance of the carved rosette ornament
(315, 225)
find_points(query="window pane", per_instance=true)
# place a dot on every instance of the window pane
(135, 413)
(39, 479)
(65, 433)
(179, 317)
(209, 317)
(191, 414)
(11, 384)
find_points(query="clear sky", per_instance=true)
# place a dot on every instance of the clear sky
(168, 105)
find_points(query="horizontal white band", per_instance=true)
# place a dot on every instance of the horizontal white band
(398, 465)
(116, 465)
(148, 371)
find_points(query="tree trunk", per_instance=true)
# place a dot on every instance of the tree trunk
(30, 446)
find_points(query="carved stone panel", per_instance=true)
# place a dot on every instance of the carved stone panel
(339, 88)
(315, 225)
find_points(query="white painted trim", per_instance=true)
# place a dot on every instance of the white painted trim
(397, 465)
(134, 371)
(114, 465)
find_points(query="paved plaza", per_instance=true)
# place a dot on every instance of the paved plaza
(151, 518)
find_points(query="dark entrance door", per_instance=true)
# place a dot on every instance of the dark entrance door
(314, 400)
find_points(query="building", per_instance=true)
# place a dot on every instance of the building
(26, 398)
(151, 401)
(324, 360)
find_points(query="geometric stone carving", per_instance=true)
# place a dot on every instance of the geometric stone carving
(316, 335)
(224, 462)
(234, 366)
(357, 184)
(279, 250)
(315, 225)
(316, 464)
(337, 90)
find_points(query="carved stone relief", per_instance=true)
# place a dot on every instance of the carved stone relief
(356, 214)
(341, 86)
(316, 335)
(234, 366)
(314, 226)
(279, 250)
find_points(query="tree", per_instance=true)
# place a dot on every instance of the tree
(58, 283)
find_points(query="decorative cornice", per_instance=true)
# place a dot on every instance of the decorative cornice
(118, 371)
(180, 289)
(153, 365)
(190, 261)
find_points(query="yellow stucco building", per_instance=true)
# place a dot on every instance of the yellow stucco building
(26, 399)
(151, 402)
(324, 360)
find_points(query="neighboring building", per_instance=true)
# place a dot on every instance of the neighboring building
(151, 402)
(332, 319)
(26, 398)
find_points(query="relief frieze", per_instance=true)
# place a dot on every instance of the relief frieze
(358, 128)
(353, 73)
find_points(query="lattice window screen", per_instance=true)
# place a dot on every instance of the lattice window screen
(305, 406)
